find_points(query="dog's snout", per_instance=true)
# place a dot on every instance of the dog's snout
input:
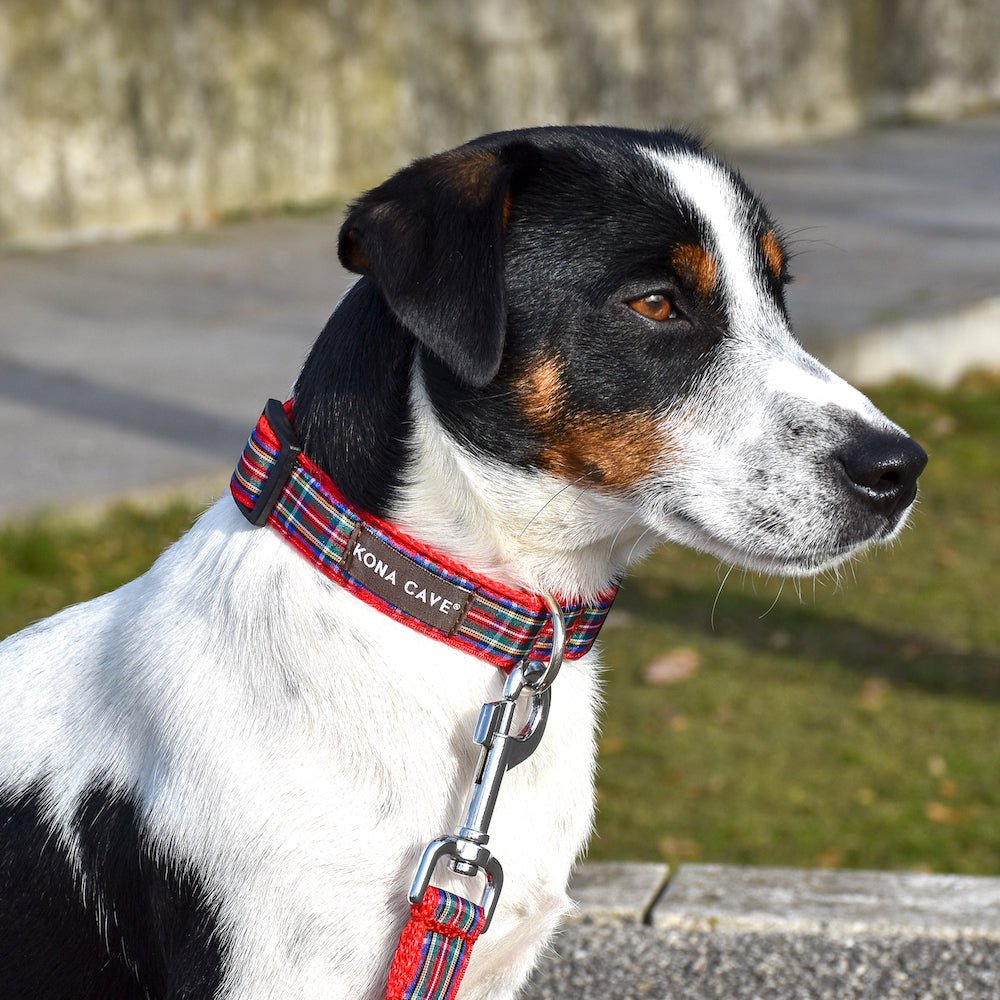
(883, 468)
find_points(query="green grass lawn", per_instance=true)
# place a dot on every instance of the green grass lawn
(852, 723)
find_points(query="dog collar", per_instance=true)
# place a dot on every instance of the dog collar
(277, 485)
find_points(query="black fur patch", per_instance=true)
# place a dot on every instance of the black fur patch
(514, 250)
(593, 225)
(352, 399)
(125, 925)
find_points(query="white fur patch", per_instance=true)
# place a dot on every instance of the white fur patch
(707, 188)
(298, 749)
(819, 387)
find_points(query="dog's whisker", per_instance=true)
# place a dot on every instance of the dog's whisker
(555, 496)
(618, 533)
(636, 545)
(507, 394)
(569, 510)
(774, 603)
(718, 594)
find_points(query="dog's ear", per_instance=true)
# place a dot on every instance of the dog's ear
(431, 238)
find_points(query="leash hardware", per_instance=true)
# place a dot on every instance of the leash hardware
(539, 675)
(501, 751)
(466, 853)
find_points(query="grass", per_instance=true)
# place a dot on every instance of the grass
(850, 724)
(47, 565)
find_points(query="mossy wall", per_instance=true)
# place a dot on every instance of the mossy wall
(124, 116)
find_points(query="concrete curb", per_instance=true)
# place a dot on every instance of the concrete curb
(756, 900)
(733, 898)
(616, 892)
(728, 932)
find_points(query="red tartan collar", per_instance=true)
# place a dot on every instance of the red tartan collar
(275, 484)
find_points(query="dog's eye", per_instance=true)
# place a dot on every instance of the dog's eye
(656, 306)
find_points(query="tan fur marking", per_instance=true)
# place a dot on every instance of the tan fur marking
(617, 451)
(470, 173)
(697, 265)
(772, 252)
(542, 394)
(355, 259)
(614, 450)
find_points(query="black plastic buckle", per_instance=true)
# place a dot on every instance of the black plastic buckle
(284, 462)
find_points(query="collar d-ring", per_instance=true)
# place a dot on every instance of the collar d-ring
(539, 674)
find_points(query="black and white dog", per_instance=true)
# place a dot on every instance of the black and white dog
(566, 345)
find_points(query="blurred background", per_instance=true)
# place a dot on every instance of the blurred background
(171, 179)
(126, 116)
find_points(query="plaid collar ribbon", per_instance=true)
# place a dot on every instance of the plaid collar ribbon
(275, 484)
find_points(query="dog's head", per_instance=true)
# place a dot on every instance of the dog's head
(606, 307)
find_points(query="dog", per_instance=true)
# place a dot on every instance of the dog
(565, 345)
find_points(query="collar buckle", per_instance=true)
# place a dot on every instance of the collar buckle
(284, 462)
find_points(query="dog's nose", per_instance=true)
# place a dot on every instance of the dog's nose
(883, 468)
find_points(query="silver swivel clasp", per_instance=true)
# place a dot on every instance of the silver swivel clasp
(501, 749)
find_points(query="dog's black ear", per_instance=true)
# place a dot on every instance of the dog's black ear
(431, 238)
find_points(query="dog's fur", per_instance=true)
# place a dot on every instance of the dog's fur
(216, 780)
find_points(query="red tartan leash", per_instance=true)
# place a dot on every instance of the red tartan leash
(434, 948)
(526, 634)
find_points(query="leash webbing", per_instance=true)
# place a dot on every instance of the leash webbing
(435, 947)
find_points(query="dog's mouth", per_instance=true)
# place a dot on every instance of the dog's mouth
(781, 558)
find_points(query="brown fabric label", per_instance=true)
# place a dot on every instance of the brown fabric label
(399, 580)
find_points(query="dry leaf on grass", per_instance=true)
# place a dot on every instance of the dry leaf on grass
(681, 848)
(874, 694)
(938, 812)
(677, 665)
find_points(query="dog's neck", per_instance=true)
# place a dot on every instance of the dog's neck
(351, 405)
(364, 416)
(523, 528)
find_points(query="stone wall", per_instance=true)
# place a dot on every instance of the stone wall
(127, 116)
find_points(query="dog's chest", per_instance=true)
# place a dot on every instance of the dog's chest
(295, 750)
(329, 871)
(327, 781)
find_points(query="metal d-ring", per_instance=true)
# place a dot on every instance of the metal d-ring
(539, 675)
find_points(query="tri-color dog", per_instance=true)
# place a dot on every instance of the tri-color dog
(567, 345)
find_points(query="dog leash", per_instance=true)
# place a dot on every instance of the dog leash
(525, 634)
(436, 943)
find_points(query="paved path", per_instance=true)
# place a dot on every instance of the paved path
(138, 366)
(630, 962)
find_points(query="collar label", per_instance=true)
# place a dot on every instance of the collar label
(403, 583)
